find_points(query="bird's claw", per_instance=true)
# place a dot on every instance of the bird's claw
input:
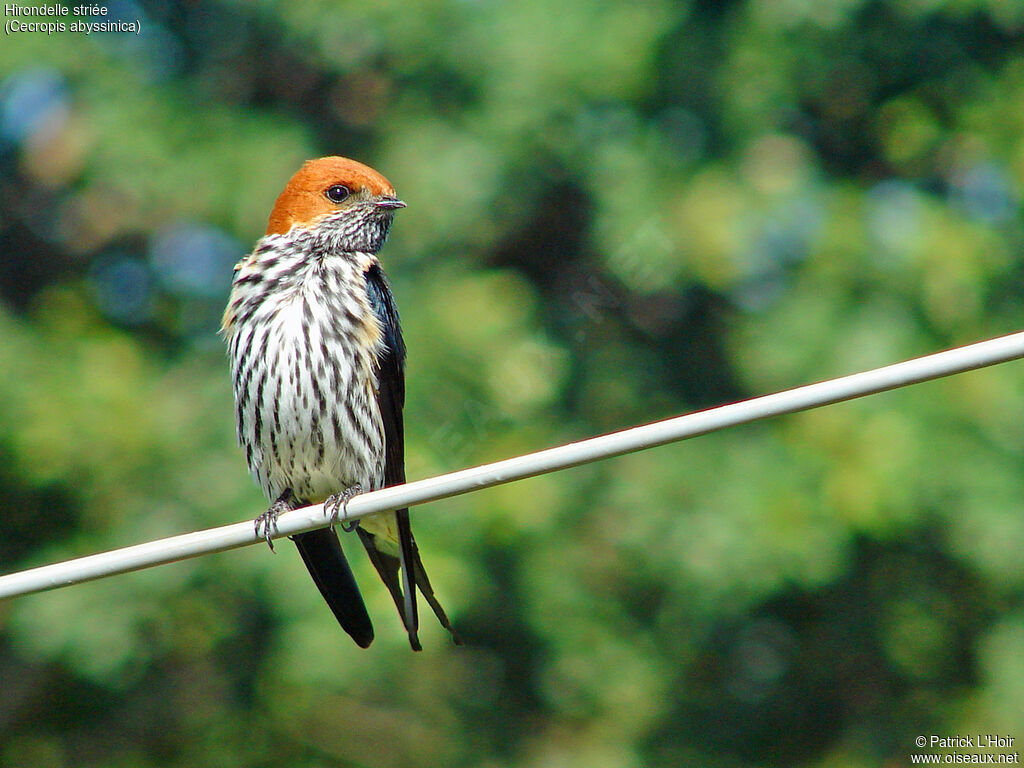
(266, 524)
(266, 527)
(337, 506)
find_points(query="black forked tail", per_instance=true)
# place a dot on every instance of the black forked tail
(402, 582)
(321, 552)
(428, 592)
(390, 570)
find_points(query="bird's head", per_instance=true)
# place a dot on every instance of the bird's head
(348, 205)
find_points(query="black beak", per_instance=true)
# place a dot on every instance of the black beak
(391, 203)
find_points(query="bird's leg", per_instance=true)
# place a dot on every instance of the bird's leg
(337, 505)
(266, 524)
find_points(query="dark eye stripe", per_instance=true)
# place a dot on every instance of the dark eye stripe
(336, 193)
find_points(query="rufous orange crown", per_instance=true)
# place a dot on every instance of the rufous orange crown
(303, 200)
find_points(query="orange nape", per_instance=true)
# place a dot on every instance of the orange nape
(303, 200)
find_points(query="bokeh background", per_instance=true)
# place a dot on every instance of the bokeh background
(618, 212)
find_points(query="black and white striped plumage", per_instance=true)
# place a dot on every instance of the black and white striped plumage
(318, 363)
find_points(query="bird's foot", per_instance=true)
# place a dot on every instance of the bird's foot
(266, 524)
(337, 506)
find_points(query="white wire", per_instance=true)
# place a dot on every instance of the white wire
(659, 433)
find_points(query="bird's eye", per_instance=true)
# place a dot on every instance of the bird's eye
(337, 193)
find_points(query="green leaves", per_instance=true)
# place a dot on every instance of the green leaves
(617, 213)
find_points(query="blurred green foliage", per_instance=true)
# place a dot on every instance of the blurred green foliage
(617, 212)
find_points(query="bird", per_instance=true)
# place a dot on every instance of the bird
(317, 358)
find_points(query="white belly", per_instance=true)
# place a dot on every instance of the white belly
(314, 425)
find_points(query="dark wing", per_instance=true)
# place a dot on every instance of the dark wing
(321, 552)
(399, 574)
(390, 374)
(391, 401)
